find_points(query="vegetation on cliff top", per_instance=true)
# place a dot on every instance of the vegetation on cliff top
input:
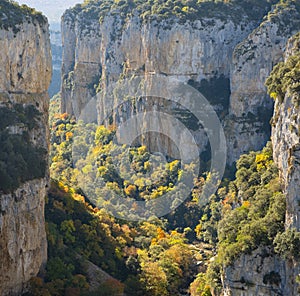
(281, 15)
(12, 15)
(184, 10)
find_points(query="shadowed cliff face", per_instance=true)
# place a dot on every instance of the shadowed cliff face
(25, 72)
(231, 54)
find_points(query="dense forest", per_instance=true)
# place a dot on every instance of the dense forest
(184, 251)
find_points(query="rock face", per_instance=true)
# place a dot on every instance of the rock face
(260, 274)
(227, 61)
(189, 52)
(263, 272)
(286, 143)
(253, 59)
(25, 73)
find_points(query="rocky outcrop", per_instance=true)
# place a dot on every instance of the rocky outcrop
(226, 59)
(259, 274)
(25, 73)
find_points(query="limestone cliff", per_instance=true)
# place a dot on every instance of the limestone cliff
(25, 72)
(286, 143)
(253, 59)
(261, 273)
(227, 58)
(233, 55)
(285, 135)
(190, 52)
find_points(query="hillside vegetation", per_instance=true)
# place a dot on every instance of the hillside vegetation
(158, 256)
(188, 250)
(145, 258)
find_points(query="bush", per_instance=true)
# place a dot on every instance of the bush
(110, 287)
(287, 244)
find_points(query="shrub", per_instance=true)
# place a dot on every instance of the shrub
(259, 215)
(287, 244)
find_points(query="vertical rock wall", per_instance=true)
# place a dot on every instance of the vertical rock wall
(251, 109)
(197, 53)
(286, 143)
(226, 60)
(25, 73)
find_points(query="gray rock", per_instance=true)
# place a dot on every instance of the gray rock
(25, 73)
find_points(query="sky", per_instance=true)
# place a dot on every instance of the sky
(53, 9)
